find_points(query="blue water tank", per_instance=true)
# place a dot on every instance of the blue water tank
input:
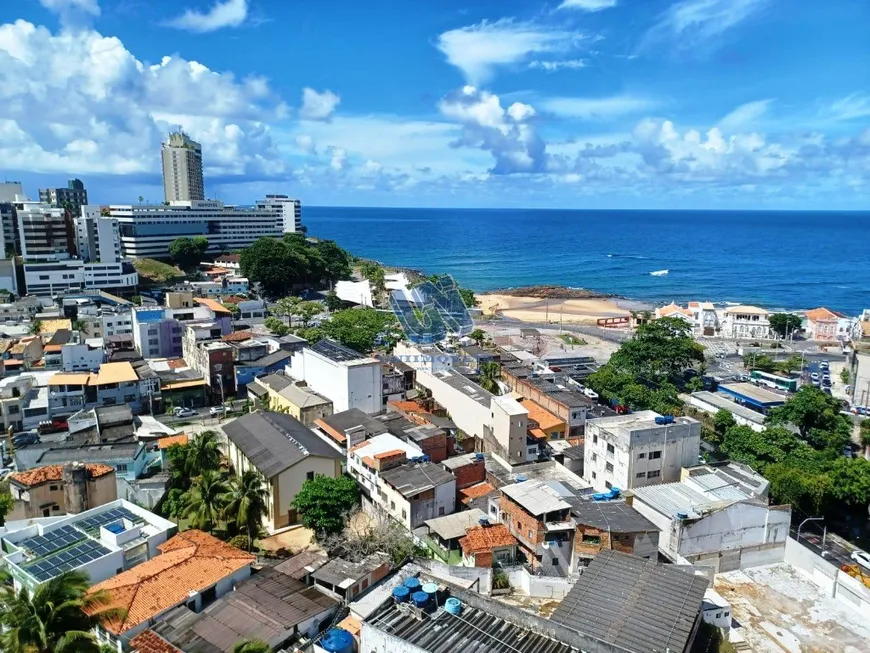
(483, 521)
(337, 640)
(478, 456)
(430, 588)
(425, 458)
(521, 478)
(420, 599)
(599, 496)
(401, 593)
(453, 606)
(412, 583)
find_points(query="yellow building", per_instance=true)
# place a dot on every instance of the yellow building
(283, 396)
(47, 491)
(549, 426)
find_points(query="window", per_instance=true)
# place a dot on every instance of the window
(641, 455)
(655, 455)
(653, 474)
(594, 457)
(440, 511)
(594, 439)
(13, 410)
(392, 505)
(121, 468)
(640, 475)
(52, 488)
(594, 476)
(610, 448)
(404, 514)
(309, 476)
(608, 467)
(608, 484)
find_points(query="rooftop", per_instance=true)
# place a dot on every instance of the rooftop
(271, 359)
(733, 473)
(450, 527)
(671, 499)
(634, 603)
(302, 564)
(455, 462)
(190, 561)
(465, 386)
(336, 425)
(339, 353)
(476, 491)
(303, 397)
(615, 516)
(386, 442)
(40, 475)
(109, 373)
(93, 453)
(215, 306)
(341, 573)
(746, 310)
(539, 497)
(753, 393)
(544, 418)
(822, 313)
(412, 478)
(275, 441)
(723, 401)
(482, 539)
(276, 382)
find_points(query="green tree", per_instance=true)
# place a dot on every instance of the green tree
(360, 328)
(205, 500)
(806, 490)
(173, 505)
(337, 262)
(850, 480)
(660, 351)
(252, 646)
(270, 263)
(865, 432)
(468, 297)
(757, 361)
(478, 336)
(287, 307)
(307, 310)
(58, 617)
(247, 503)
(35, 328)
(276, 326)
(136, 299)
(490, 373)
(81, 325)
(784, 324)
(845, 377)
(332, 302)
(817, 416)
(233, 309)
(789, 365)
(205, 453)
(722, 421)
(6, 502)
(325, 502)
(188, 252)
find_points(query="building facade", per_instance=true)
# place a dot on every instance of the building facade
(182, 168)
(45, 232)
(60, 489)
(639, 449)
(289, 209)
(73, 197)
(746, 322)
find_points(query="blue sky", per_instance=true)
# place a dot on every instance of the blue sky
(473, 103)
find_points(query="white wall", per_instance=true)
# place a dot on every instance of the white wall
(469, 415)
(365, 388)
(80, 357)
(354, 386)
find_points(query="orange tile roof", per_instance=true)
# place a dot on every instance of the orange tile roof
(822, 313)
(40, 475)
(538, 433)
(481, 539)
(215, 306)
(121, 372)
(359, 446)
(392, 453)
(190, 561)
(233, 299)
(238, 336)
(407, 406)
(11, 362)
(368, 461)
(175, 363)
(150, 642)
(168, 441)
(545, 419)
(476, 491)
(333, 433)
(52, 349)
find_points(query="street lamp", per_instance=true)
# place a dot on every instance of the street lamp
(824, 532)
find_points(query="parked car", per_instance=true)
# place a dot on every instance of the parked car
(589, 392)
(824, 365)
(814, 376)
(185, 412)
(862, 558)
(23, 439)
(217, 411)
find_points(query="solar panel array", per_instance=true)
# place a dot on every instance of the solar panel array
(71, 558)
(43, 545)
(94, 523)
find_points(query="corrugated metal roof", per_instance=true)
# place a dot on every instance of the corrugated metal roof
(450, 527)
(535, 496)
(672, 498)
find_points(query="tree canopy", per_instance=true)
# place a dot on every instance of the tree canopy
(785, 323)
(188, 252)
(817, 416)
(325, 503)
(279, 265)
(360, 328)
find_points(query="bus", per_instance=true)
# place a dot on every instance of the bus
(787, 383)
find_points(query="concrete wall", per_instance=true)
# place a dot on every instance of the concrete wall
(828, 576)
(544, 587)
(365, 388)
(469, 415)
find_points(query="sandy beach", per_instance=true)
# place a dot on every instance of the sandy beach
(570, 311)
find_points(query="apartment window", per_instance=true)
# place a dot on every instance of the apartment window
(129, 398)
(594, 457)
(594, 439)
(309, 476)
(654, 474)
(404, 514)
(655, 455)
(610, 448)
(640, 475)
(392, 505)
(121, 468)
(608, 467)
(594, 476)
(641, 455)
(52, 488)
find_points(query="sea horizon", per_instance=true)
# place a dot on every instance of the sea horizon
(790, 260)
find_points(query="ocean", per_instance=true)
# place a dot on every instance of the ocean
(777, 259)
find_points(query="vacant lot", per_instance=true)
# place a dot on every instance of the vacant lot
(156, 272)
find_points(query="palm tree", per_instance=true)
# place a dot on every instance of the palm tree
(81, 325)
(204, 501)
(205, 454)
(57, 618)
(35, 327)
(252, 646)
(246, 502)
(490, 373)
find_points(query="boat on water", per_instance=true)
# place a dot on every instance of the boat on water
(659, 273)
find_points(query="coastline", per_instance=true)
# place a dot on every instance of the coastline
(586, 310)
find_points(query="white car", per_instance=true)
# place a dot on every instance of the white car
(589, 392)
(186, 412)
(862, 558)
(216, 411)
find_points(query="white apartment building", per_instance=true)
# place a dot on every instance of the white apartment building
(44, 232)
(746, 322)
(344, 376)
(290, 210)
(639, 449)
(81, 356)
(182, 168)
(97, 237)
(10, 191)
(117, 322)
(148, 230)
(74, 275)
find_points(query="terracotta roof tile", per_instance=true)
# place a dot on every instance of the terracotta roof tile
(822, 313)
(169, 440)
(52, 349)
(359, 446)
(331, 432)
(213, 305)
(481, 539)
(238, 336)
(233, 299)
(392, 453)
(190, 561)
(40, 475)
(150, 642)
(368, 461)
(538, 433)
(476, 491)
(544, 418)
(176, 363)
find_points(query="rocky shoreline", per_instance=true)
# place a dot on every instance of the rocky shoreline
(552, 292)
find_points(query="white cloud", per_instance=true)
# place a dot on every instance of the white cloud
(553, 66)
(223, 13)
(506, 134)
(306, 143)
(60, 6)
(318, 106)
(80, 102)
(695, 22)
(598, 107)
(745, 114)
(588, 5)
(850, 107)
(339, 159)
(477, 50)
